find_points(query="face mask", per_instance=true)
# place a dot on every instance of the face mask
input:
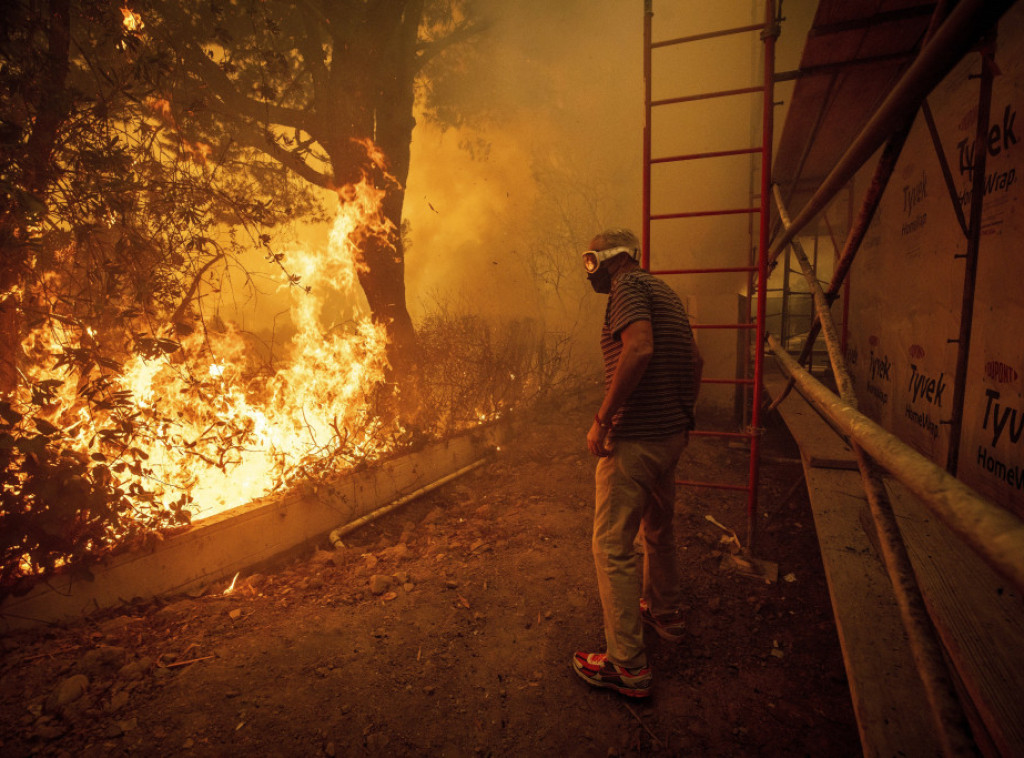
(601, 280)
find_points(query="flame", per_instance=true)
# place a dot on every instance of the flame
(208, 424)
(197, 151)
(132, 21)
(161, 107)
(231, 587)
(374, 154)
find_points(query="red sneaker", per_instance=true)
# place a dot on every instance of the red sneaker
(595, 669)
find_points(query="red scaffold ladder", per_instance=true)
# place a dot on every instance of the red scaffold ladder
(757, 271)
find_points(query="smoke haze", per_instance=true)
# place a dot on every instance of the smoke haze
(499, 208)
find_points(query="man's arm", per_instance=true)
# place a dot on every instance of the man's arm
(637, 349)
(698, 371)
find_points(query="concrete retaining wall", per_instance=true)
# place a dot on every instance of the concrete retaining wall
(218, 547)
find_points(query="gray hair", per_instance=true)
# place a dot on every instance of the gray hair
(617, 237)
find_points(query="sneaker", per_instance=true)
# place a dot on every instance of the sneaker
(595, 669)
(669, 627)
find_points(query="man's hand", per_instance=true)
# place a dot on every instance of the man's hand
(637, 349)
(595, 440)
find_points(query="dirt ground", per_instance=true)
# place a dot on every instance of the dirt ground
(447, 628)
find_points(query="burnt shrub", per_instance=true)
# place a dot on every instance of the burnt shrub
(476, 369)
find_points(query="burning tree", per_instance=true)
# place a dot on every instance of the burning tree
(325, 91)
(108, 221)
(125, 170)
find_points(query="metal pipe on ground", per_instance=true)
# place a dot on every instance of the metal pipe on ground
(341, 531)
(995, 534)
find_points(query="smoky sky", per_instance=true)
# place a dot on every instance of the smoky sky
(560, 84)
(564, 82)
(558, 156)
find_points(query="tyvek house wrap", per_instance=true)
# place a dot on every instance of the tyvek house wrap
(907, 283)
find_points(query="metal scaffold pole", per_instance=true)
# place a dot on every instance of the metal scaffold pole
(950, 722)
(769, 35)
(645, 240)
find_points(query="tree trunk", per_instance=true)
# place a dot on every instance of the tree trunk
(386, 115)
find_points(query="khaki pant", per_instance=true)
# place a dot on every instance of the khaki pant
(635, 495)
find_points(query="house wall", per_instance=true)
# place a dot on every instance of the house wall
(907, 284)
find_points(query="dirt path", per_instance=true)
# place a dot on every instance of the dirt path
(486, 587)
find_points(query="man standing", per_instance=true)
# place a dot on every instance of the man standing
(652, 376)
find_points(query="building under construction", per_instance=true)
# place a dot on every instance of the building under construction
(884, 274)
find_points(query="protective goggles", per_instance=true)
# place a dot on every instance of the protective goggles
(592, 259)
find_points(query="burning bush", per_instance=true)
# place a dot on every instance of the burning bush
(126, 405)
(60, 507)
(97, 455)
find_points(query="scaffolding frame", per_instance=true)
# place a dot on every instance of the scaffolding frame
(757, 268)
(995, 534)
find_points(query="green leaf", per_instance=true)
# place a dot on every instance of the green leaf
(9, 414)
(27, 445)
(168, 346)
(45, 427)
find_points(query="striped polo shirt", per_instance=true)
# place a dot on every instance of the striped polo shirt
(662, 403)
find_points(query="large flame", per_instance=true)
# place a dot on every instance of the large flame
(209, 425)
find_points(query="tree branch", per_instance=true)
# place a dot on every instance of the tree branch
(266, 143)
(430, 49)
(224, 89)
(180, 310)
(221, 85)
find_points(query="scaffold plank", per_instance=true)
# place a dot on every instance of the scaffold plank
(979, 617)
(876, 653)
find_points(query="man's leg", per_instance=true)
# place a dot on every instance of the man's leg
(661, 575)
(617, 514)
